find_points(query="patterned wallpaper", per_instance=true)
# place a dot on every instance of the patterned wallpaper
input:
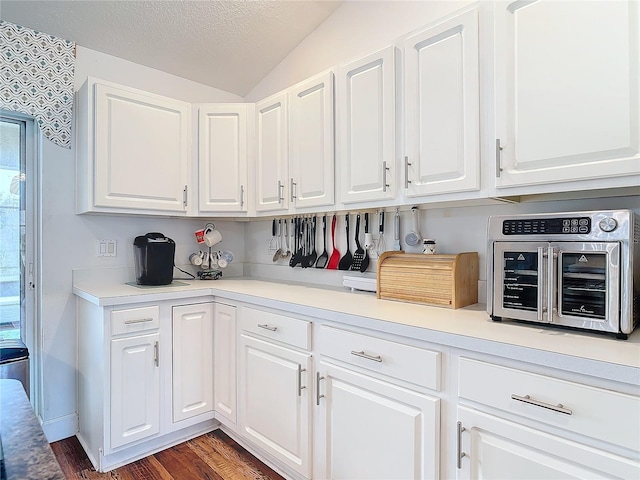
(36, 78)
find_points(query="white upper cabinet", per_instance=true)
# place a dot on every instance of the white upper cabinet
(222, 157)
(567, 91)
(133, 150)
(442, 108)
(272, 159)
(366, 111)
(311, 142)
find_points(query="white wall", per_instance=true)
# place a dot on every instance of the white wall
(68, 240)
(355, 28)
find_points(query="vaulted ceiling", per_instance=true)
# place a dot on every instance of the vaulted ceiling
(227, 44)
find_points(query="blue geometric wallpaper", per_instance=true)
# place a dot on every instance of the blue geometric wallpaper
(36, 78)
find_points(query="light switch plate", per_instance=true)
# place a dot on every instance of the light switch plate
(106, 248)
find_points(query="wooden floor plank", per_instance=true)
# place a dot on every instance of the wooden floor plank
(214, 456)
(228, 461)
(149, 468)
(184, 463)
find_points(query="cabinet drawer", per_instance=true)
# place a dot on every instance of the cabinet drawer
(590, 411)
(396, 360)
(133, 320)
(289, 330)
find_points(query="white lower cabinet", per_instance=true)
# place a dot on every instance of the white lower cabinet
(192, 329)
(517, 424)
(225, 338)
(368, 428)
(135, 388)
(494, 448)
(275, 401)
(144, 378)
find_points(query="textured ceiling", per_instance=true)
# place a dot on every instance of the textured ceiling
(230, 45)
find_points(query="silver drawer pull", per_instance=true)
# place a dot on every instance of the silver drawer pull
(267, 327)
(138, 320)
(556, 408)
(377, 358)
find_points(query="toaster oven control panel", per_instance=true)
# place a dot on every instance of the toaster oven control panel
(547, 226)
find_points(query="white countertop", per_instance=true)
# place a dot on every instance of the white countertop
(469, 328)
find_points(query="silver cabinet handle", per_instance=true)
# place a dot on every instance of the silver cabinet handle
(138, 320)
(293, 193)
(542, 278)
(385, 169)
(377, 358)
(242, 195)
(300, 386)
(280, 192)
(551, 285)
(184, 196)
(498, 158)
(556, 408)
(460, 453)
(318, 396)
(406, 172)
(267, 327)
(156, 354)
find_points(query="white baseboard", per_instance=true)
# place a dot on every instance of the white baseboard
(61, 427)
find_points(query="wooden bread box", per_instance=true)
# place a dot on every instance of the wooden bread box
(442, 280)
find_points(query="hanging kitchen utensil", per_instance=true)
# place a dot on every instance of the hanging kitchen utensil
(396, 231)
(365, 260)
(358, 255)
(347, 258)
(314, 255)
(297, 254)
(381, 244)
(285, 239)
(335, 254)
(324, 256)
(306, 255)
(413, 238)
(278, 253)
(272, 243)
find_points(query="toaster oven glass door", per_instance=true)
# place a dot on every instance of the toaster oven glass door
(588, 285)
(521, 280)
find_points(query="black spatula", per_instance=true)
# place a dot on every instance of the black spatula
(324, 256)
(358, 255)
(347, 258)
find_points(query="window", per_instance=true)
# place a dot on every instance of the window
(13, 254)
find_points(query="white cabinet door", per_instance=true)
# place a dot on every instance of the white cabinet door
(493, 448)
(311, 140)
(224, 361)
(142, 150)
(192, 360)
(366, 110)
(222, 158)
(135, 389)
(442, 108)
(369, 429)
(568, 94)
(272, 154)
(275, 401)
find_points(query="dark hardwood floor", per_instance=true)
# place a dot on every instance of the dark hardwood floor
(214, 456)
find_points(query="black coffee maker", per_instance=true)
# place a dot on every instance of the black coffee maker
(154, 258)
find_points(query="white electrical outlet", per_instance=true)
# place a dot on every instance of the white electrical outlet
(106, 248)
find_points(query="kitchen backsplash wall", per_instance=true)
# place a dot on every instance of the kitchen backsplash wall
(455, 229)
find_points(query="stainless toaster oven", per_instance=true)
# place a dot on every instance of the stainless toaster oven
(579, 269)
